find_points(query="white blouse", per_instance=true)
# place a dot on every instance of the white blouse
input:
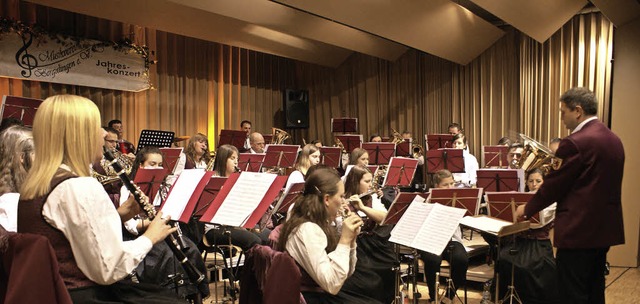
(9, 211)
(471, 166)
(330, 270)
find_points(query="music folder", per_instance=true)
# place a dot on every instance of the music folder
(428, 227)
(236, 138)
(400, 172)
(150, 180)
(350, 142)
(330, 156)
(380, 153)
(280, 156)
(184, 194)
(251, 162)
(495, 156)
(438, 141)
(449, 159)
(170, 157)
(344, 125)
(209, 193)
(502, 205)
(494, 226)
(500, 180)
(399, 206)
(244, 199)
(20, 107)
(465, 198)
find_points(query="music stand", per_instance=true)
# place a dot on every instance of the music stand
(20, 107)
(403, 149)
(380, 153)
(251, 162)
(495, 156)
(344, 125)
(236, 138)
(350, 142)
(438, 141)
(500, 180)
(373, 169)
(185, 193)
(330, 156)
(465, 198)
(502, 205)
(398, 207)
(150, 180)
(400, 172)
(449, 159)
(267, 138)
(209, 194)
(170, 157)
(280, 156)
(156, 138)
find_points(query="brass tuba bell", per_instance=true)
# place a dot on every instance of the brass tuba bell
(279, 136)
(536, 156)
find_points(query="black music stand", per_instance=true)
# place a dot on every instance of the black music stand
(156, 138)
(150, 180)
(380, 153)
(350, 142)
(19, 107)
(280, 156)
(208, 195)
(438, 141)
(236, 138)
(251, 162)
(500, 180)
(344, 125)
(465, 198)
(400, 172)
(170, 157)
(403, 149)
(495, 156)
(449, 159)
(330, 156)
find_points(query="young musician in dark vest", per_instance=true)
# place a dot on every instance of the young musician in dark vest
(197, 152)
(61, 201)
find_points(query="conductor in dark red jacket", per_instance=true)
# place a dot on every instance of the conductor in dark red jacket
(587, 188)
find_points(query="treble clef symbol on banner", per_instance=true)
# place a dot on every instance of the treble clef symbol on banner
(25, 60)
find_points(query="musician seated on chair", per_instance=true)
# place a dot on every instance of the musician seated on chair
(245, 125)
(309, 156)
(257, 143)
(469, 177)
(326, 258)
(102, 170)
(61, 201)
(197, 152)
(124, 146)
(375, 138)
(515, 154)
(454, 253)
(16, 157)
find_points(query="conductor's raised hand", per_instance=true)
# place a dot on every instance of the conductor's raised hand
(159, 229)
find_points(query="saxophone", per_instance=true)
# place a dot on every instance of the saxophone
(212, 161)
(111, 175)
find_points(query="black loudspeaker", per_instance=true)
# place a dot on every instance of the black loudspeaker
(296, 109)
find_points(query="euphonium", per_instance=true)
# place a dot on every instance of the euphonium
(279, 136)
(536, 156)
(418, 151)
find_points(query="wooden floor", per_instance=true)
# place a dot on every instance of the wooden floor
(623, 287)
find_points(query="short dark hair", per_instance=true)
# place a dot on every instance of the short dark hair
(113, 122)
(439, 176)
(582, 97)
(374, 135)
(111, 130)
(454, 125)
(504, 141)
(245, 122)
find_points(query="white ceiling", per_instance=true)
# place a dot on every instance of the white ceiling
(327, 32)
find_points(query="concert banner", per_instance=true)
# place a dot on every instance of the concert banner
(31, 54)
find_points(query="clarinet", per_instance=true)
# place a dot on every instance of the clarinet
(192, 272)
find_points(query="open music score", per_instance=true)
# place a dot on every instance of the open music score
(280, 156)
(502, 205)
(350, 142)
(438, 141)
(149, 181)
(495, 157)
(170, 157)
(19, 107)
(209, 193)
(400, 172)
(400, 205)
(344, 125)
(501, 180)
(251, 162)
(183, 196)
(403, 149)
(330, 156)
(380, 153)
(449, 159)
(464, 198)
(244, 199)
(495, 226)
(236, 138)
(428, 227)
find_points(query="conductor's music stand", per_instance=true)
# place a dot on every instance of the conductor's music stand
(403, 149)
(20, 107)
(400, 172)
(500, 180)
(280, 156)
(150, 180)
(438, 141)
(344, 125)
(156, 138)
(503, 205)
(330, 156)
(465, 198)
(495, 157)
(251, 162)
(380, 153)
(170, 157)
(449, 159)
(350, 142)
(236, 138)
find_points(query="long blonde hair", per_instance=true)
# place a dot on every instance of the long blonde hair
(304, 161)
(16, 147)
(66, 130)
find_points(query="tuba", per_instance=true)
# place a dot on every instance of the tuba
(279, 136)
(536, 156)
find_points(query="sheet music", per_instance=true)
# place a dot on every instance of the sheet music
(484, 223)
(405, 230)
(243, 199)
(437, 230)
(181, 192)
